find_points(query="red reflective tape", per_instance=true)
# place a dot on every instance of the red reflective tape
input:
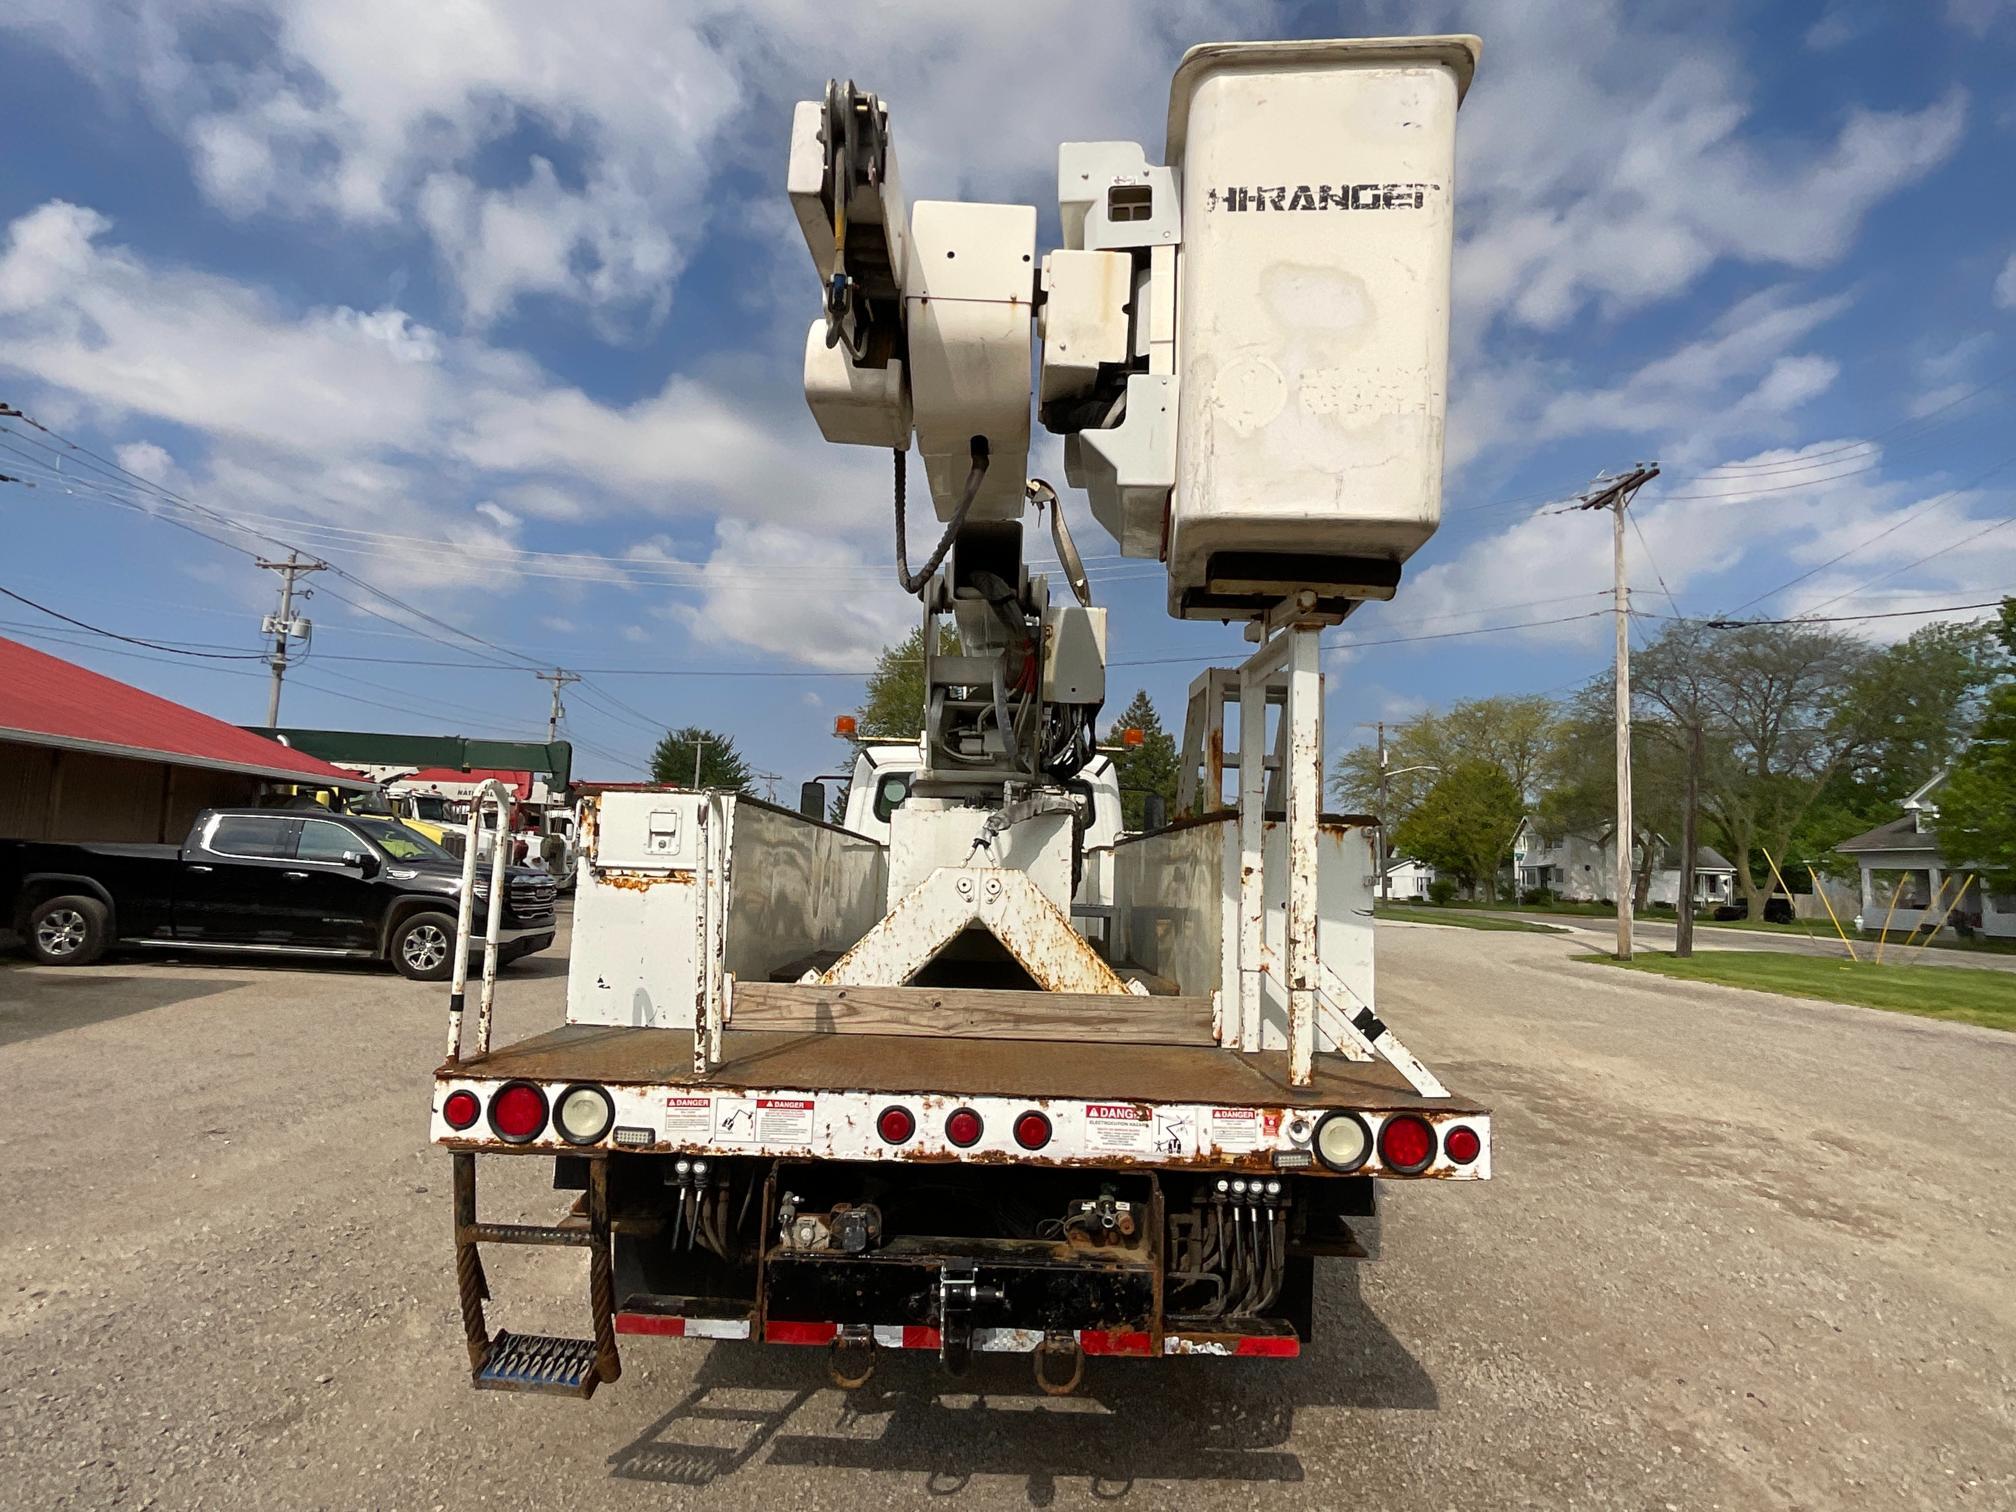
(920, 1338)
(650, 1323)
(1116, 1342)
(1278, 1348)
(776, 1332)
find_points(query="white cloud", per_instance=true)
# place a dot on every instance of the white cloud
(145, 459)
(1977, 17)
(2005, 285)
(548, 156)
(806, 597)
(1678, 176)
(1791, 382)
(1837, 28)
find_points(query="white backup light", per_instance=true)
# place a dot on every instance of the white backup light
(584, 1114)
(1343, 1142)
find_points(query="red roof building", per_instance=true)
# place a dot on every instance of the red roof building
(87, 757)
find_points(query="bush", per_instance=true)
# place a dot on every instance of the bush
(1441, 892)
(1537, 896)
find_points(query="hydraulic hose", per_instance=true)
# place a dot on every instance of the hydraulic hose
(914, 582)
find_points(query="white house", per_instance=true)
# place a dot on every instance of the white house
(1406, 878)
(1583, 868)
(1901, 860)
(1714, 879)
(1575, 868)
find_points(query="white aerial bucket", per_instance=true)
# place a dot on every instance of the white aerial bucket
(1312, 338)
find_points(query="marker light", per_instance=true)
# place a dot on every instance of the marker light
(1032, 1130)
(1343, 1141)
(895, 1125)
(583, 1114)
(460, 1109)
(518, 1113)
(1462, 1144)
(964, 1128)
(1406, 1144)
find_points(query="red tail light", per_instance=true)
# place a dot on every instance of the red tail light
(895, 1125)
(518, 1113)
(1462, 1145)
(964, 1128)
(1032, 1130)
(1406, 1144)
(460, 1109)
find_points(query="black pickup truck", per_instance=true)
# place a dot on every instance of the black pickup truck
(261, 879)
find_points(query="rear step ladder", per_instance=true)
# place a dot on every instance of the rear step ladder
(537, 1362)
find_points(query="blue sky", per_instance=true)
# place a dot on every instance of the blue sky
(503, 313)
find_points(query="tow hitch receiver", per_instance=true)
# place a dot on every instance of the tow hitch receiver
(958, 1290)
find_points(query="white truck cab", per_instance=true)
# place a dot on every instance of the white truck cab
(880, 783)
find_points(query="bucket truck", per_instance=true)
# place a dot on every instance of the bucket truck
(873, 1091)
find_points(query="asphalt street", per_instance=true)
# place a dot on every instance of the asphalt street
(1741, 1251)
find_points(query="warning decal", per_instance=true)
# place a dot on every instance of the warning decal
(1119, 1126)
(784, 1120)
(1235, 1128)
(689, 1120)
(763, 1120)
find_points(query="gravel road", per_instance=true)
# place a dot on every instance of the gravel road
(1741, 1252)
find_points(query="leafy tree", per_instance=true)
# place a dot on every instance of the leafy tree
(1916, 702)
(1516, 735)
(1579, 790)
(720, 766)
(1781, 711)
(1150, 767)
(1464, 826)
(1977, 804)
(892, 705)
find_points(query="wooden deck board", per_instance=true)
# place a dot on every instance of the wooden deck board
(973, 1013)
(971, 1067)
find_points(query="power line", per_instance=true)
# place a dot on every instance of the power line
(132, 640)
(1988, 529)
(1841, 619)
(1935, 502)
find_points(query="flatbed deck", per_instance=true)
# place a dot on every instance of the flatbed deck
(884, 1063)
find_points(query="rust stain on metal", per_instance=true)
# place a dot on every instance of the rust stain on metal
(641, 881)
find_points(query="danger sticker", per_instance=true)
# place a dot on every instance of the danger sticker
(763, 1120)
(784, 1120)
(688, 1120)
(1235, 1128)
(1120, 1126)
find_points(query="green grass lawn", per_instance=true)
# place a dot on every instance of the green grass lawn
(1456, 920)
(1821, 929)
(1944, 992)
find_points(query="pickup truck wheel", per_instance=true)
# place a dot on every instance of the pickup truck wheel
(68, 931)
(423, 947)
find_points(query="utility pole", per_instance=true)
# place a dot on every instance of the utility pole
(1382, 856)
(559, 677)
(1683, 934)
(1614, 494)
(282, 626)
(698, 746)
(1385, 800)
